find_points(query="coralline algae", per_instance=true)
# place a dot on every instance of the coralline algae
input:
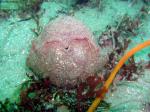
(65, 52)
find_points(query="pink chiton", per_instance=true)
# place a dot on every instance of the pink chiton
(65, 52)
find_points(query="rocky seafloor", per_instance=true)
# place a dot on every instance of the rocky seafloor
(126, 21)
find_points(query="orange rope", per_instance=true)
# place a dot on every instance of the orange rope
(113, 74)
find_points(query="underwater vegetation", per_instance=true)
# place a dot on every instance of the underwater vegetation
(48, 94)
(40, 94)
(82, 1)
(115, 41)
(22, 7)
(113, 74)
(111, 37)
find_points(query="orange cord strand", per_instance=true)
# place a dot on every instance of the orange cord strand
(113, 74)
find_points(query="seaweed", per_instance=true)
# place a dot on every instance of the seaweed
(4, 14)
(133, 2)
(120, 32)
(7, 105)
(88, 90)
(146, 1)
(144, 12)
(148, 64)
(30, 7)
(147, 107)
(82, 1)
(24, 8)
(118, 37)
(98, 4)
(131, 69)
(38, 94)
(38, 28)
(114, 72)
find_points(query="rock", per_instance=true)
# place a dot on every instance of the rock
(65, 52)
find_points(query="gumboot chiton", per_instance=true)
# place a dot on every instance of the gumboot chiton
(65, 52)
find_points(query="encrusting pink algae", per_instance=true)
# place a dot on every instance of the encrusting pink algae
(65, 52)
